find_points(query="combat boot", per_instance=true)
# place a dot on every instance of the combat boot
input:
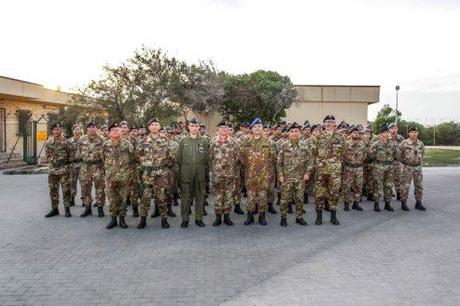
(305, 198)
(404, 206)
(301, 221)
(398, 196)
(245, 192)
(319, 217)
(283, 222)
(262, 219)
(388, 206)
(67, 212)
(170, 212)
(142, 223)
(184, 224)
(370, 197)
(123, 224)
(156, 212)
(271, 209)
(86, 212)
(227, 219)
(376, 207)
(113, 223)
(199, 223)
(356, 206)
(218, 220)
(100, 212)
(326, 206)
(53, 212)
(249, 219)
(238, 209)
(419, 206)
(135, 212)
(346, 206)
(334, 217)
(164, 223)
(72, 201)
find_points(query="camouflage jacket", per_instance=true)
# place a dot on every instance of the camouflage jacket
(294, 160)
(58, 154)
(355, 153)
(411, 153)
(155, 154)
(118, 160)
(223, 157)
(91, 148)
(76, 151)
(328, 152)
(382, 154)
(257, 156)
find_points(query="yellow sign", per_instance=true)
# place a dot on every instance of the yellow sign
(42, 135)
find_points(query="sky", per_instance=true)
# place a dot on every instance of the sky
(411, 43)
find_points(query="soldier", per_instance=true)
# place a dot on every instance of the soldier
(352, 177)
(75, 162)
(368, 183)
(105, 132)
(192, 157)
(266, 132)
(257, 155)
(397, 139)
(383, 154)
(294, 165)
(410, 153)
(223, 156)
(132, 198)
(156, 159)
(238, 177)
(58, 154)
(118, 156)
(328, 151)
(91, 146)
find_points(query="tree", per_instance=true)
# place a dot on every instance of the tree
(264, 94)
(386, 115)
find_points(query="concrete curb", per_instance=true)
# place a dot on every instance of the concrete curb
(26, 170)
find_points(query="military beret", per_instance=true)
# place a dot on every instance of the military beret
(104, 126)
(383, 128)
(91, 124)
(392, 125)
(56, 125)
(294, 125)
(75, 126)
(367, 130)
(306, 124)
(124, 122)
(154, 119)
(114, 125)
(202, 126)
(222, 123)
(329, 117)
(161, 128)
(194, 121)
(133, 128)
(168, 129)
(266, 126)
(413, 129)
(315, 126)
(354, 128)
(283, 123)
(256, 121)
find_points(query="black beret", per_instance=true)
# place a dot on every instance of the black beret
(194, 121)
(306, 124)
(315, 126)
(75, 126)
(104, 126)
(154, 119)
(355, 128)
(266, 126)
(133, 128)
(91, 124)
(392, 125)
(294, 125)
(57, 125)
(222, 123)
(124, 122)
(329, 117)
(114, 125)
(383, 128)
(413, 128)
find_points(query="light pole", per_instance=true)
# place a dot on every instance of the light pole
(397, 100)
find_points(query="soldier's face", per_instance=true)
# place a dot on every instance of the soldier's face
(133, 133)
(105, 132)
(355, 135)
(329, 124)
(223, 130)
(385, 135)
(77, 131)
(367, 136)
(294, 134)
(115, 132)
(230, 131)
(56, 132)
(154, 127)
(266, 132)
(91, 130)
(257, 129)
(124, 129)
(193, 128)
(413, 135)
(163, 133)
(393, 130)
(279, 131)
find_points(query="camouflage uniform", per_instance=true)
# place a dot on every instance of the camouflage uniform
(352, 177)
(118, 164)
(272, 176)
(223, 157)
(397, 165)
(383, 156)
(173, 186)
(156, 159)
(75, 166)
(294, 160)
(368, 182)
(411, 154)
(238, 176)
(92, 169)
(133, 183)
(58, 154)
(328, 151)
(257, 155)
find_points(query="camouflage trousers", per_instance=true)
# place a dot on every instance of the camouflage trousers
(383, 182)
(327, 187)
(271, 189)
(90, 174)
(397, 176)
(352, 180)
(237, 189)
(310, 185)
(155, 184)
(132, 190)
(292, 192)
(256, 196)
(223, 188)
(59, 180)
(409, 173)
(117, 192)
(368, 182)
(74, 178)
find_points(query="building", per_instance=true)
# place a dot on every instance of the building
(22, 99)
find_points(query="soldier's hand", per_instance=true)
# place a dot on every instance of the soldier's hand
(306, 177)
(281, 179)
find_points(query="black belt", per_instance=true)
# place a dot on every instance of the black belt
(411, 165)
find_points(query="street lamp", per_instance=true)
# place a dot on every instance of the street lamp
(397, 98)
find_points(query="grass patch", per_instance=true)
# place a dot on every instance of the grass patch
(441, 158)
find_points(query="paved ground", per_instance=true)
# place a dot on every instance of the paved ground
(371, 259)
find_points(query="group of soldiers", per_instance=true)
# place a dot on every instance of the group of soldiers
(132, 166)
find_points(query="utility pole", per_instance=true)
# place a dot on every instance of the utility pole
(397, 102)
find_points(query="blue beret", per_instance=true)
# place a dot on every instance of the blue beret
(256, 121)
